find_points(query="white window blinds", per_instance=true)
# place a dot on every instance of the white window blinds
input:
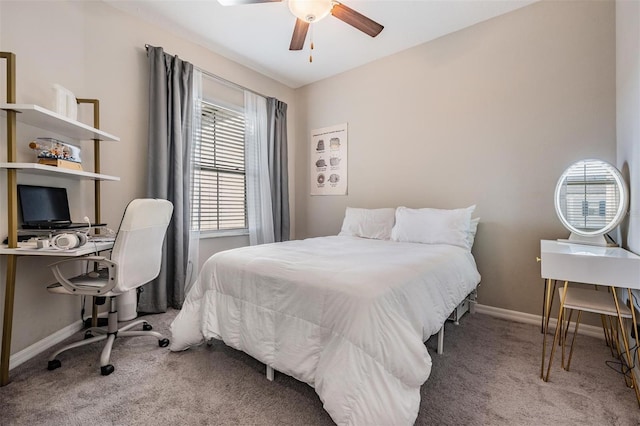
(219, 190)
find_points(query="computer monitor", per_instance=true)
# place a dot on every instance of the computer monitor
(43, 204)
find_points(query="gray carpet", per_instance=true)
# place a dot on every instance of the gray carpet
(488, 375)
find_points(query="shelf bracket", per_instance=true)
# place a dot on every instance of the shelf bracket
(96, 183)
(96, 153)
(12, 195)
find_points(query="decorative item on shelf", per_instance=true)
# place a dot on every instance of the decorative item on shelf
(66, 103)
(53, 152)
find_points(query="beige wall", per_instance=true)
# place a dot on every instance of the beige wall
(628, 116)
(95, 51)
(628, 111)
(490, 115)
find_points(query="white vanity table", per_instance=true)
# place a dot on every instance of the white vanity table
(589, 264)
(612, 267)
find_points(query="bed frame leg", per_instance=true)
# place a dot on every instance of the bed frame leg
(441, 341)
(270, 373)
(473, 299)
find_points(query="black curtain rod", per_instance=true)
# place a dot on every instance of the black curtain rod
(220, 79)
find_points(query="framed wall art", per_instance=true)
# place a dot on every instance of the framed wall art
(329, 160)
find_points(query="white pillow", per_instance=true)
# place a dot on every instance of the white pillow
(368, 223)
(473, 228)
(433, 226)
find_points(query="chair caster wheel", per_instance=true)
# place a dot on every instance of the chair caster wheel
(52, 365)
(163, 343)
(105, 370)
(147, 327)
(88, 335)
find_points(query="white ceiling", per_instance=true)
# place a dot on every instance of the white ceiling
(258, 35)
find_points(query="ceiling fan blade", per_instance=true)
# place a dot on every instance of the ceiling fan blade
(299, 35)
(356, 20)
(237, 2)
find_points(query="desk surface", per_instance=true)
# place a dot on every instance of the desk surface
(611, 266)
(89, 248)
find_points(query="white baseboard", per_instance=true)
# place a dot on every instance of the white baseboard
(587, 330)
(42, 345)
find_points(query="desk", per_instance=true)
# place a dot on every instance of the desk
(9, 292)
(89, 248)
(613, 267)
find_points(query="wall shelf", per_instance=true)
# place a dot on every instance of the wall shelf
(42, 169)
(43, 118)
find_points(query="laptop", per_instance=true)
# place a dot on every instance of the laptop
(44, 207)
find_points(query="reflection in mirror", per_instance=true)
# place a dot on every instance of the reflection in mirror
(591, 199)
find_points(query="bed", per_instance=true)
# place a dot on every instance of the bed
(345, 314)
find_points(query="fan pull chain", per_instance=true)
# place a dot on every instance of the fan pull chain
(311, 44)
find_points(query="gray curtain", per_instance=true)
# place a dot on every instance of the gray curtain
(278, 167)
(169, 170)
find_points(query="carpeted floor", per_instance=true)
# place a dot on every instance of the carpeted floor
(488, 375)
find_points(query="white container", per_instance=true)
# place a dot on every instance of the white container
(60, 104)
(65, 103)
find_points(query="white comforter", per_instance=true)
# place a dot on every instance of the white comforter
(346, 315)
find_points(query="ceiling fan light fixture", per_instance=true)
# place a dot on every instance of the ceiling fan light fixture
(310, 10)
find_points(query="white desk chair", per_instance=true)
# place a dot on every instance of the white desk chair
(135, 260)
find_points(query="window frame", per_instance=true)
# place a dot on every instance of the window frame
(216, 233)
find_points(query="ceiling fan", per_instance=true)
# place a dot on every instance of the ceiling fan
(310, 11)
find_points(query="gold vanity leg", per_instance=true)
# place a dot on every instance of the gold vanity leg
(558, 329)
(545, 322)
(544, 305)
(573, 341)
(552, 293)
(625, 341)
(605, 329)
(634, 318)
(565, 331)
(634, 324)
(615, 337)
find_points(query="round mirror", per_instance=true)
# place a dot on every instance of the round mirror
(591, 199)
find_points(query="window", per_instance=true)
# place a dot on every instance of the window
(219, 189)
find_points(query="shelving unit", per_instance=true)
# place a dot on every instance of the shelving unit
(44, 170)
(37, 116)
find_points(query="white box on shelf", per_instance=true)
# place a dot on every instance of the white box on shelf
(66, 103)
